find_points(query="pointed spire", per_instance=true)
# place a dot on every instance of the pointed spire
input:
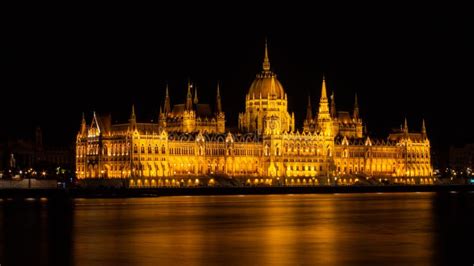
(333, 105)
(405, 126)
(189, 89)
(356, 108)
(309, 112)
(189, 97)
(167, 101)
(133, 119)
(83, 124)
(95, 123)
(218, 100)
(196, 101)
(323, 90)
(323, 103)
(423, 127)
(266, 60)
(132, 116)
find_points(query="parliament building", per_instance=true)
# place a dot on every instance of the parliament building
(190, 146)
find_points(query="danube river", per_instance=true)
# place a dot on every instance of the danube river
(334, 229)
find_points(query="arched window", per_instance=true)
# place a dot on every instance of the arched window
(142, 150)
(163, 149)
(156, 149)
(149, 148)
(135, 148)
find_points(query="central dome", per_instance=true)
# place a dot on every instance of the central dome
(266, 82)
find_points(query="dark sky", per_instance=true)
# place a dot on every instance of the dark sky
(401, 60)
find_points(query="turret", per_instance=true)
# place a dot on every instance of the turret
(189, 98)
(423, 128)
(333, 105)
(405, 126)
(83, 125)
(133, 119)
(167, 102)
(196, 101)
(218, 100)
(356, 109)
(309, 112)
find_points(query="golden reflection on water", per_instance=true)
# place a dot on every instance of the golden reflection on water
(255, 230)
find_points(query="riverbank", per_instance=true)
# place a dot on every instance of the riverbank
(198, 191)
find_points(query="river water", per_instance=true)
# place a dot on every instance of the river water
(334, 229)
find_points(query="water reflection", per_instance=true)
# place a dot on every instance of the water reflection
(398, 228)
(36, 232)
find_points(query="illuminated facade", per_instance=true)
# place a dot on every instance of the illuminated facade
(189, 144)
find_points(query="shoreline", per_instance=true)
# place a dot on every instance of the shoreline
(211, 191)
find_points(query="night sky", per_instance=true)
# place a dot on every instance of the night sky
(402, 61)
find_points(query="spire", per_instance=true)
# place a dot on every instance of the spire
(323, 103)
(266, 60)
(356, 108)
(218, 100)
(95, 123)
(423, 127)
(83, 124)
(405, 126)
(309, 112)
(167, 101)
(196, 101)
(333, 105)
(133, 118)
(189, 97)
(323, 90)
